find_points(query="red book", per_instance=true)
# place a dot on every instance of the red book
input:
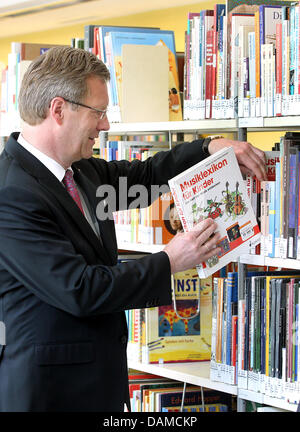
(234, 326)
(278, 99)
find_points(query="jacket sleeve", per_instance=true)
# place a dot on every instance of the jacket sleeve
(37, 255)
(156, 170)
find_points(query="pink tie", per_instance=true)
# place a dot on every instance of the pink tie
(68, 181)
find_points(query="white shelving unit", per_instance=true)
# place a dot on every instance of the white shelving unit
(198, 373)
(230, 125)
(270, 262)
(266, 400)
(138, 247)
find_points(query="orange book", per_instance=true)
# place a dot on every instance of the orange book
(164, 219)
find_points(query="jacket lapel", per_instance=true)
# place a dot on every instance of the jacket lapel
(56, 190)
(106, 227)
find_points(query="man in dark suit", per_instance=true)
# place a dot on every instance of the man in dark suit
(62, 294)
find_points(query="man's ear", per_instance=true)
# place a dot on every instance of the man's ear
(57, 108)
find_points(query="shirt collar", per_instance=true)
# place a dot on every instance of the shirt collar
(49, 163)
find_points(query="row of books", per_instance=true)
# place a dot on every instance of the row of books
(259, 334)
(151, 393)
(149, 224)
(127, 52)
(276, 201)
(224, 339)
(19, 59)
(243, 63)
(240, 63)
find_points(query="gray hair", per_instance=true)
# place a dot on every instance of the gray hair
(60, 71)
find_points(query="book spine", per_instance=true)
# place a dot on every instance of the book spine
(292, 204)
(272, 209)
(219, 320)
(209, 73)
(234, 325)
(278, 100)
(229, 320)
(257, 64)
(251, 42)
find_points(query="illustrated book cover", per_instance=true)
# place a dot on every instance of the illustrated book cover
(181, 331)
(215, 188)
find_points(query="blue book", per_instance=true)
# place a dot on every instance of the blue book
(158, 37)
(105, 30)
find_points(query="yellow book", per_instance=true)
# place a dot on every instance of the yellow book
(182, 331)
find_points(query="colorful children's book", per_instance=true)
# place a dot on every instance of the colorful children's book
(215, 188)
(182, 331)
(160, 37)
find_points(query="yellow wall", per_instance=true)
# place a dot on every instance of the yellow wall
(167, 19)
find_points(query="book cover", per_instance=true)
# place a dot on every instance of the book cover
(143, 81)
(102, 31)
(269, 16)
(215, 188)
(181, 331)
(162, 37)
(193, 396)
(164, 220)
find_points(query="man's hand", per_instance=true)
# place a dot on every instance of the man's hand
(251, 160)
(186, 250)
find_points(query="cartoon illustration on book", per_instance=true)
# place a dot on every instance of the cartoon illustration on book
(179, 324)
(214, 188)
(234, 203)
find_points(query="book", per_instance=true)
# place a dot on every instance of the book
(92, 34)
(29, 51)
(237, 20)
(160, 38)
(215, 188)
(192, 396)
(144, 82)
(182, 331)
(243, 70)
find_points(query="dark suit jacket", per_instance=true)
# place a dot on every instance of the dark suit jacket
(62, 294)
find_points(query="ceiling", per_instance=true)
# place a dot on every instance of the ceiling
(56, 14)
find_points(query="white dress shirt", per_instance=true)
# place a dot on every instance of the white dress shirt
(59, 173)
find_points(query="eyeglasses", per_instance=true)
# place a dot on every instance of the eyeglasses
(101, 113)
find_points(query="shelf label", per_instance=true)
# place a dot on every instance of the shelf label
(251, 122)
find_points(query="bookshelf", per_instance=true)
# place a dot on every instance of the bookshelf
(139, 247)
(202, 126)
(198, 373)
